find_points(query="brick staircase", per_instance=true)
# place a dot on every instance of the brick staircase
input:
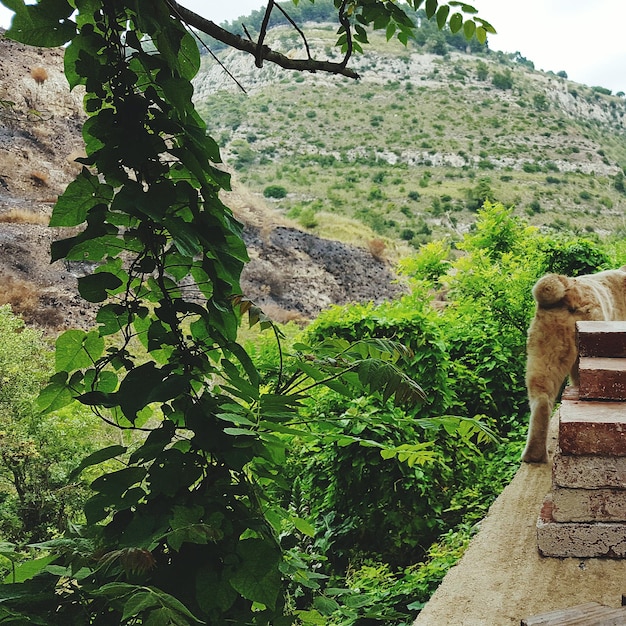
(584, 515)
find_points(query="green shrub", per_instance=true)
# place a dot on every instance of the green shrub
(275, 191)
(429, 264)
(502, 80)
(573, 257)
(540, 102)
(375, 593)
(375, 193)
(308, 218)
(37, 452)
(531, 168)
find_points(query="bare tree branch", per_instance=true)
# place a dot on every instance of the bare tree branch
(239, 43)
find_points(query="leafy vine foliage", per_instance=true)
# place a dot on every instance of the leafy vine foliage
(182, 532)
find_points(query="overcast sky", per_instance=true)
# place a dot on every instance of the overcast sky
(584, 38)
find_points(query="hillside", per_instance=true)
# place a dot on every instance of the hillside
(411, 150)
(292, 275)
(40, 131)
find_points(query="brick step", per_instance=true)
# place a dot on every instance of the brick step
(583, 540)
(588, 505)
(579, 539)
(570, 393)
(588, 427)
(601, 339)
(602, 378)
(588, 614)
(588, 472)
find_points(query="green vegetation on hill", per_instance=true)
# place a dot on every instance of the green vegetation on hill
(324, 11)
(413, 148)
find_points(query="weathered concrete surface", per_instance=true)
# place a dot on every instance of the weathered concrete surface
(589, 472)
(592, 428)
(502, 578)
(602, 378)
(601, 339)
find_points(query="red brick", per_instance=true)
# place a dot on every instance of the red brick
(592, 428)
(602, 378)
(601, 338)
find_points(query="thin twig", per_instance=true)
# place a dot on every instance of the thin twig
(298, 29)
(258, 57)
(245, 30)
(239, 43)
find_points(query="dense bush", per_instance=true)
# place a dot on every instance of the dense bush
(275, 191)
(502, 80)
(378, 514)
(37, 453)
(573, 256)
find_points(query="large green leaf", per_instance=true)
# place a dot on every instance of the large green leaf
(138, 598)
(110, 452)
(45, 24)
(442, 16)
(146, 384)
(257, 577)
(55, 395)
(469, 28)
(29, 569)
(456, 22)
(83, 193)
(188, 526)
(114, 484)
(431, 8)
(188, 56)
(96, 287)
(77, 349)
(82, 49)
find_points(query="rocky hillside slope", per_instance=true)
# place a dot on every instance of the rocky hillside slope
(411, 150)
(293, 275)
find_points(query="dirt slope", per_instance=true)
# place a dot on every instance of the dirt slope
(291, 275)
(502, 579)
